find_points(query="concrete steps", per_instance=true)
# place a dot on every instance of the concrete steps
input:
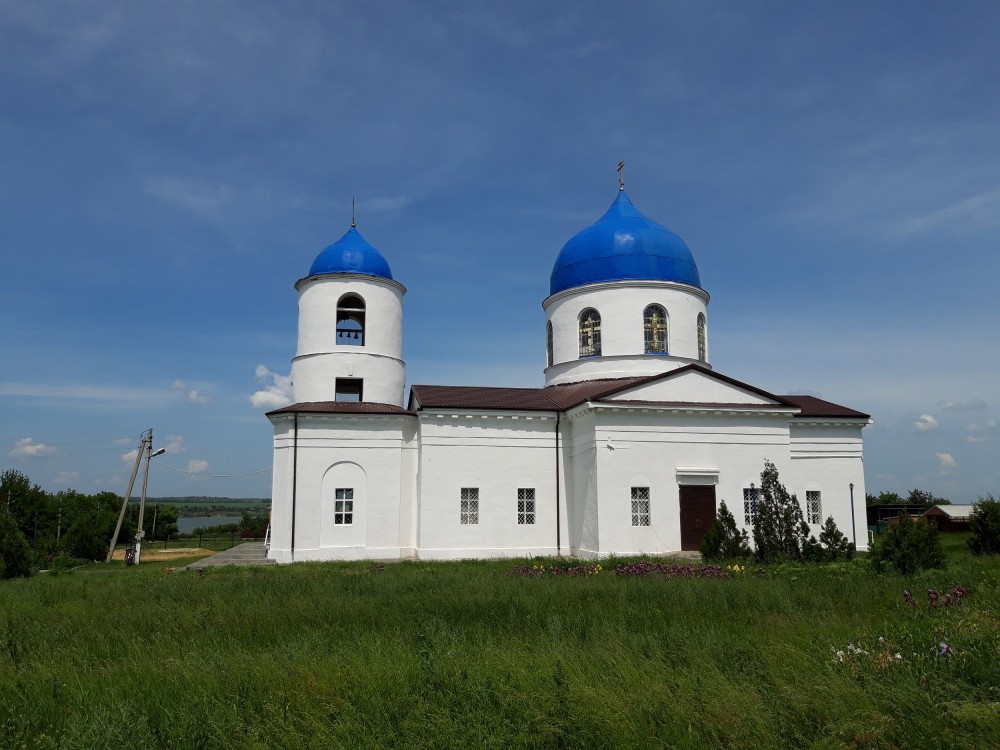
(248, 553)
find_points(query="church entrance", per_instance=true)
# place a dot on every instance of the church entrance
(697, 513)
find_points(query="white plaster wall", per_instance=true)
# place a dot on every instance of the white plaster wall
(319, 360)
(694, 387)
(634, 449)
(579, 455)
(366, 449)
(621, 304)
(496, 454)
(827, 456)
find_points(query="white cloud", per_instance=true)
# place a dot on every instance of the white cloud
(191, 394)
(28, 448)
(973, 439)
(948, 462)
(278, 390)
(123, 441)
(175, 444)
(197, 466)
(130, 456)
(973, 404)
(120, 395)
(925, 423)
(991, 424)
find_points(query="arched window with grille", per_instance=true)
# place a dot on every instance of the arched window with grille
(351, 320)
(702, 338)
(548, 344)
(590, 333)
(654, 329)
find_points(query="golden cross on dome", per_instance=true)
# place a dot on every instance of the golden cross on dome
(621, 183)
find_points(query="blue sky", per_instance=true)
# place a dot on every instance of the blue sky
(169, 170)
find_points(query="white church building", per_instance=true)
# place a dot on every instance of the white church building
(628, 448)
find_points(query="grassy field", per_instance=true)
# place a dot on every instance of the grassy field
(467, 655)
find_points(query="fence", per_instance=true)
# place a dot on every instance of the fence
(216, 542)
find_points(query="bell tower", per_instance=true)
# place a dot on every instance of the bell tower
(350, 327)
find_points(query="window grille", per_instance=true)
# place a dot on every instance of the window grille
(702, 338)
(751, 498)
(590, 333)
(469, 512)
(814, 507)
(548, 343)
(351, 321)
(526, 506)
(343, 507)
(654, 329)
(640, 506)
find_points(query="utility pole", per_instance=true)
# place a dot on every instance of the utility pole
(141, 531)
(128, 494)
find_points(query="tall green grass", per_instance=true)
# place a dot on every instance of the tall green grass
(465, 655)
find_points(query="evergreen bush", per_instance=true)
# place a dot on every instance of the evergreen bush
(984, 523)
(835, 546)
(908, 547)
(723, 541)
(780, 532)
(15, 554)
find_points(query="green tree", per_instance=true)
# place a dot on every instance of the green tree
(779, 530)
(984, 523)
(165, 516)
(25, 501)
(884, 498)
(923, 497)
(723, 540)
(835, 545)
(86, 539)
(908, 547)
(15, 554)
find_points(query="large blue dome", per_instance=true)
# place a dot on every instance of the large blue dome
(623, 244)
(351, 254)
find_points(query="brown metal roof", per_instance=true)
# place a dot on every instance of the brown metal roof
(561, 398)
(551, 398)
(817, 407)
(339, 407)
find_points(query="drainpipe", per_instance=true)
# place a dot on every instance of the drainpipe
(295, 476)
(558, 524)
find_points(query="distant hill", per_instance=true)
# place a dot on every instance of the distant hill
(195, 506)
(209, 500)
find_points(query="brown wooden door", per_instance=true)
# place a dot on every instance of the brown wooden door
(697, 513)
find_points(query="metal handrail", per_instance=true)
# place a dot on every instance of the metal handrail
(267, 539)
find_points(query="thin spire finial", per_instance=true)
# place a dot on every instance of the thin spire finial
(621, 182)
(353, 223)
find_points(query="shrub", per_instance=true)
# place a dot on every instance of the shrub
(723, 541)
(908, 547)
(84, 539)
(984, 523)
(15, 554)
(779, 530)
(835, 545)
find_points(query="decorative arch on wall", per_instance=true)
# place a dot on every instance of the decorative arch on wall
(351, 320)
(654, 329)
(344, 491)
(590, 333)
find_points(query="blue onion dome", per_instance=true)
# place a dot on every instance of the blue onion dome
(623, 244)
(351, 254)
